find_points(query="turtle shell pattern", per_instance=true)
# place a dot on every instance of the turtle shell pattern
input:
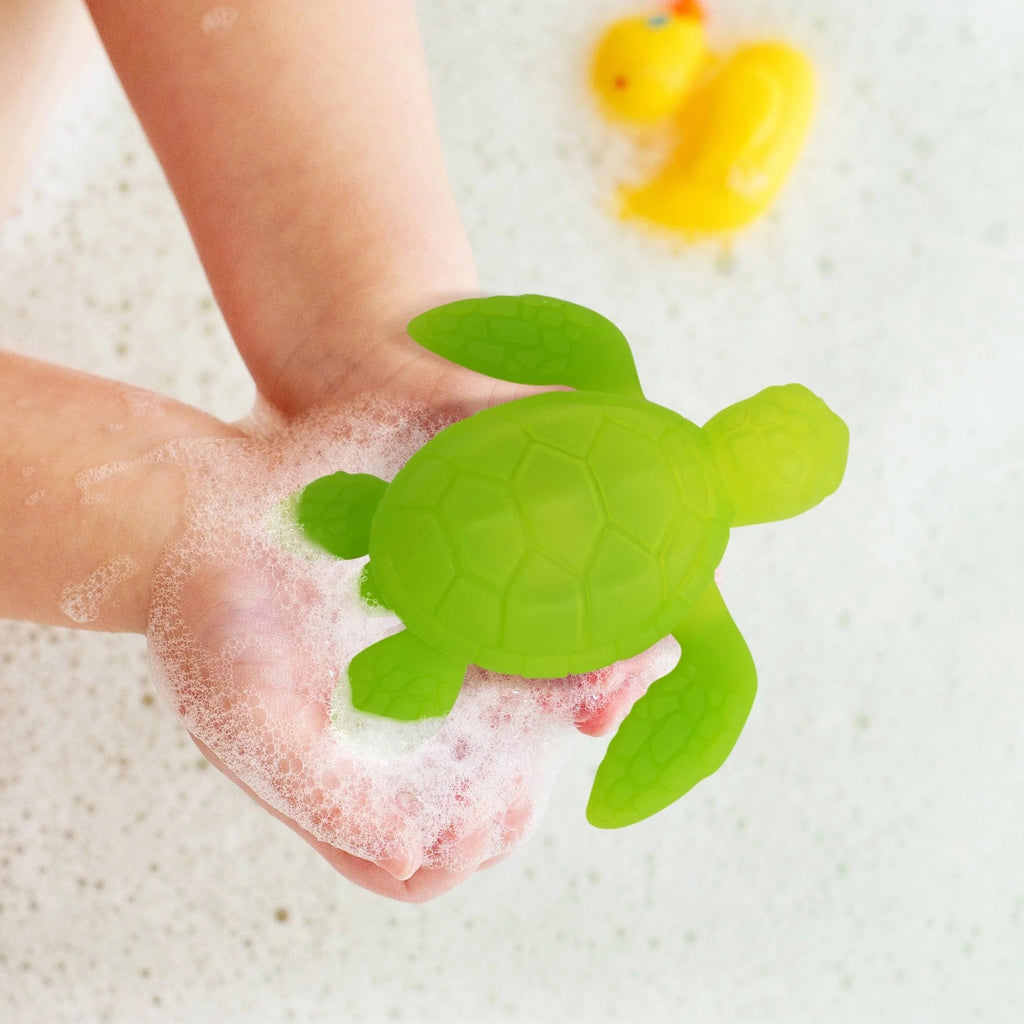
(551, 535)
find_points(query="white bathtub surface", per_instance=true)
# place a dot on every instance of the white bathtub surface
(858, 859)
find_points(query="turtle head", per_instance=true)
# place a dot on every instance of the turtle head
(779, 453)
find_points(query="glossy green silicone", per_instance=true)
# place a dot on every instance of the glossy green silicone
(562, 532)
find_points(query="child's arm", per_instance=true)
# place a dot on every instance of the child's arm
(301, 145)
(83, 522)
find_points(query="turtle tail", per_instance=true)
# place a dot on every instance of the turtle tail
(531, 339)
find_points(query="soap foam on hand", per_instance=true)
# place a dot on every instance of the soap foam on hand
(252, 628)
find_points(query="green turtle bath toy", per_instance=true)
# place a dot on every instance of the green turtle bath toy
(561, 532)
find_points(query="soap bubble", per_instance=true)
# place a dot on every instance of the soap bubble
(81, 602)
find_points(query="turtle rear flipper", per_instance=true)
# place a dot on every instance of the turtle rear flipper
(531, 339)
(402, 677)
(684, 727)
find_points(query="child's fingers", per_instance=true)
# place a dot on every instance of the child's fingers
(420, 886)
(596, 702)
(516, 823)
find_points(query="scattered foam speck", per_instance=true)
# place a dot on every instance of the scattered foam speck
(89, 478)
(81, 602)
(143, 402)
(218, 19)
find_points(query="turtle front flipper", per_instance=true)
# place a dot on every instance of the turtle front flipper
(335, 512)
(686, 724)
(404, 678)
(531, 339)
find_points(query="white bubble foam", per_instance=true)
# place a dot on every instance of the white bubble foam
(81, 602)
(143, 402)
(218, 19)
(252, 628)
(88, 479)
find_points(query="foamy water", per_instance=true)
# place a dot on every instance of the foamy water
(252, 629)
(81, 602)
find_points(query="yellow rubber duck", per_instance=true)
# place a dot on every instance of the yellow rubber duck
(739, 122)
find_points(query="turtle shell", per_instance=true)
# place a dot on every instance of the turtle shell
(551, 535)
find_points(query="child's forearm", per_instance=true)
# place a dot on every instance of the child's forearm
(301, 145)
(42, 43)
(82, 522)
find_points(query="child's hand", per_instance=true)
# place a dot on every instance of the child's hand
(251, 632)
(262, 702)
